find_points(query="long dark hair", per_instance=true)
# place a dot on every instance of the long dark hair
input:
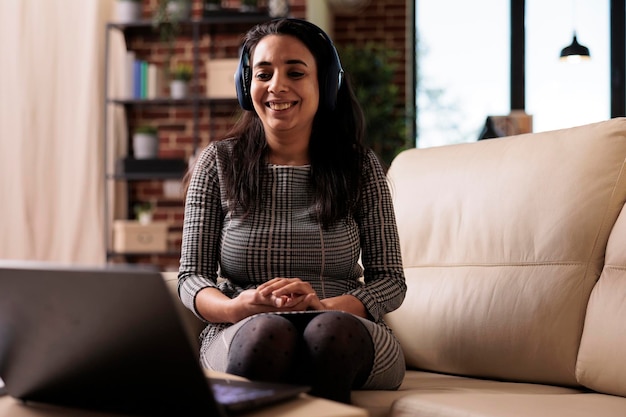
(336, 150)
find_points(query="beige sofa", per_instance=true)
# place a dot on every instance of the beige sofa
(515, 258)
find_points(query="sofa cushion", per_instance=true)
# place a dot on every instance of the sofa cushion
(502, 242)
(601, 361)
(378, 403)
(463, 404)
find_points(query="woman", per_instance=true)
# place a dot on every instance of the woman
(276, 217)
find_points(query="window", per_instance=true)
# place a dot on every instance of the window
(463, 66)
(463, 63)
(564, 94)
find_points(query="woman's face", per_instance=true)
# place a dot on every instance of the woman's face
(284, 88)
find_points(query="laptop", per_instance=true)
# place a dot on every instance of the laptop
(109, 339)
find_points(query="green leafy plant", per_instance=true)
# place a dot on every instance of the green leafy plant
(168, 25)
(144, 211)
(249, 6)
(182, 72)
(148, 129)
(371, 70)
(143, 207)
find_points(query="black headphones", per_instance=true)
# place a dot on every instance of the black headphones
(331, 85)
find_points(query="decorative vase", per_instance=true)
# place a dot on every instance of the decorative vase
(179, 10)
(127, 11)
(278, 8)
(144, 217)
(178, 89)
(145, 146)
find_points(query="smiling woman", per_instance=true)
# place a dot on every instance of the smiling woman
(280, 211)
(285, 95)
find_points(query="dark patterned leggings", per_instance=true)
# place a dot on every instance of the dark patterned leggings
(332, 352)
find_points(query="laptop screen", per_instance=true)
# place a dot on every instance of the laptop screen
(108, 339)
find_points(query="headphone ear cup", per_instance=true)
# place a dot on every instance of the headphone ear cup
(242, 82)
(334, 79)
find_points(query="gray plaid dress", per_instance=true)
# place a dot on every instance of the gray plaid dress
(282, 239)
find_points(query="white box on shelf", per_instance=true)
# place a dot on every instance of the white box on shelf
(129, 236)
(220, 75)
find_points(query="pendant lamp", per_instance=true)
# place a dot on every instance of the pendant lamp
(575, 51)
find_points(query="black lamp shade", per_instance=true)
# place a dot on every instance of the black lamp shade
(575, 49)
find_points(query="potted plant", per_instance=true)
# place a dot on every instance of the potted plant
(145, 142)
(278, 8)
(371, 70)
(179, 9)
(166, 20)
(144, 212)
(181, 75)
(127, 11)
(248, 6)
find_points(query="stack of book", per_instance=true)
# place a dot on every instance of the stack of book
(141, 79)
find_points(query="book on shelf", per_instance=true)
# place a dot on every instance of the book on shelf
(143, 90)
(141, 79)
(155, 81)
(137, 79)
(127, 76)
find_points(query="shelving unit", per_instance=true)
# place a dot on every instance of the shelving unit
(230, 22)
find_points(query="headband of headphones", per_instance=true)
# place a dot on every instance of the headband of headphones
(330, 85)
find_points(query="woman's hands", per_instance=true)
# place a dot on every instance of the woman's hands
(293, 294)
(278, 294)
(290, 294)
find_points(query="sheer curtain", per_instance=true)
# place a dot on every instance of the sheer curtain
(51, 124)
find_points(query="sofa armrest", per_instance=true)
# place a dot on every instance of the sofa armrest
(192, 324)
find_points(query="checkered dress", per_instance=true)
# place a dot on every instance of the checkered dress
(281, 238)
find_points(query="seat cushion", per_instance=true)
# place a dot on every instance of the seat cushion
(419, 383)
(464, 404)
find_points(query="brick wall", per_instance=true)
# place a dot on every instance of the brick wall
(382, 21)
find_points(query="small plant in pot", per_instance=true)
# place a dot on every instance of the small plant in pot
(181, 75)
(145, 142)
(144, 212)
(249, 6)
(177, 9)
(166, 20)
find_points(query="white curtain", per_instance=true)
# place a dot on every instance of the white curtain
(51, 130)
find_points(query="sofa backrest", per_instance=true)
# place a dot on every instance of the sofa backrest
(502, 242)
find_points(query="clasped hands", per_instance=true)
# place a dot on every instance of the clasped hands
(290, 294)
